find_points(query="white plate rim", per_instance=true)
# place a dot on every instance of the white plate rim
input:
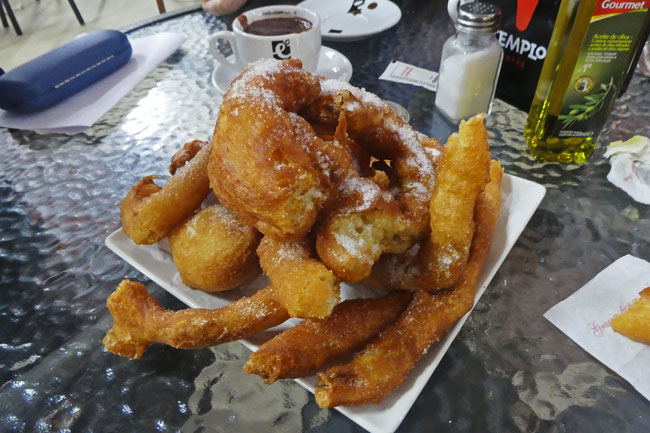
(521, 198)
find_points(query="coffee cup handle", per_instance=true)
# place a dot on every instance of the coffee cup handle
(225, 35)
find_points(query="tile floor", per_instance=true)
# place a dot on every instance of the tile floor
(46, 24)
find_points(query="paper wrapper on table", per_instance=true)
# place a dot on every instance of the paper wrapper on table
(630, 161)
(83, 109)
(586, 318)
(400, 72)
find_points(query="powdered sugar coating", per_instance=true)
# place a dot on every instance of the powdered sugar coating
(329, 86)
(433, 152)
(409, 137)
(351, 246)
(243, 89)
(356, 247)
(369, 192)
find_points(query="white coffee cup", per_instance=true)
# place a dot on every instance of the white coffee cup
(248, 47)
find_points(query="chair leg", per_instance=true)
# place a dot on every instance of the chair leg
(161, 6)
(12, 17)
(5, 24)
(73, 5)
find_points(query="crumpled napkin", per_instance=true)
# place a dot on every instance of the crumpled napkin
(586, 318)
(82, 110)
(630, 161)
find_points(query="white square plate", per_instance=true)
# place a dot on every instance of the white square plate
(520, 199)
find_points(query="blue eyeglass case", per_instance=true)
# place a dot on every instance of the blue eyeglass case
(64, 71)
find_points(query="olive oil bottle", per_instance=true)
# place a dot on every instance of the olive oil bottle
(592, 46)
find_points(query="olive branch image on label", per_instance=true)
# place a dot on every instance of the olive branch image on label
(591, 105)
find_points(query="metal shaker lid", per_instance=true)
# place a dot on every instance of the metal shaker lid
(479, 16)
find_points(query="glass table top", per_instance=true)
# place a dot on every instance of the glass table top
(508, 370)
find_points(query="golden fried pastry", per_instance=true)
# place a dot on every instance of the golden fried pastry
(185, 154)
(383, 175)
(432, 148)
(366, 221)
(462, 175)
(303, 285)
(139, 320)
(342, 189)
(634, 323)
(362, 219)
(382, 134)
(350, 243)
(313, 343)
(336, 159)
(384, 364)
(149, 212)
(258, 168)
(214, 251)
(439, 261)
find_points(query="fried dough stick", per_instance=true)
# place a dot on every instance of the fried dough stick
(461, 176)
(634, 322)
(303, 285)
(313, 343)
(149, 212)
(384, 364)
(140, 320)
(463, 173)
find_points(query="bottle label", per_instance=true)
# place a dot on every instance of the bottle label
(526, 29)
(606, 52)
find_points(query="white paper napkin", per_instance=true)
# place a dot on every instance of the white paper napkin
(83, 109)
(630, 161)
(586, 315)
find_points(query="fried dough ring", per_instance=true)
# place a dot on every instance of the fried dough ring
(336, 159)
(149, 212)
(367, 222)
(258, 168)
(214, 251)
(342, 163)
(634, 322)
(383, 134)
(185, 154)
(139, 320)
(384, 364)
(440, 260)
(313, 343)
(303, 285)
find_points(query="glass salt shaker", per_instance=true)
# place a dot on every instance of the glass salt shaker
(470, 63)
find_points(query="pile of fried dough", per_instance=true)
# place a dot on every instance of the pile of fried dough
(318, 183)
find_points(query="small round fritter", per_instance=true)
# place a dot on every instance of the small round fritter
(214, 251)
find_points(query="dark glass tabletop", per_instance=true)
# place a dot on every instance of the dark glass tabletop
(509, 370)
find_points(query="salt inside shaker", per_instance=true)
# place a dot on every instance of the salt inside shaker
(470, 62)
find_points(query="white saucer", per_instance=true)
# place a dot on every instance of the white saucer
(331, 63)
(351, 21)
